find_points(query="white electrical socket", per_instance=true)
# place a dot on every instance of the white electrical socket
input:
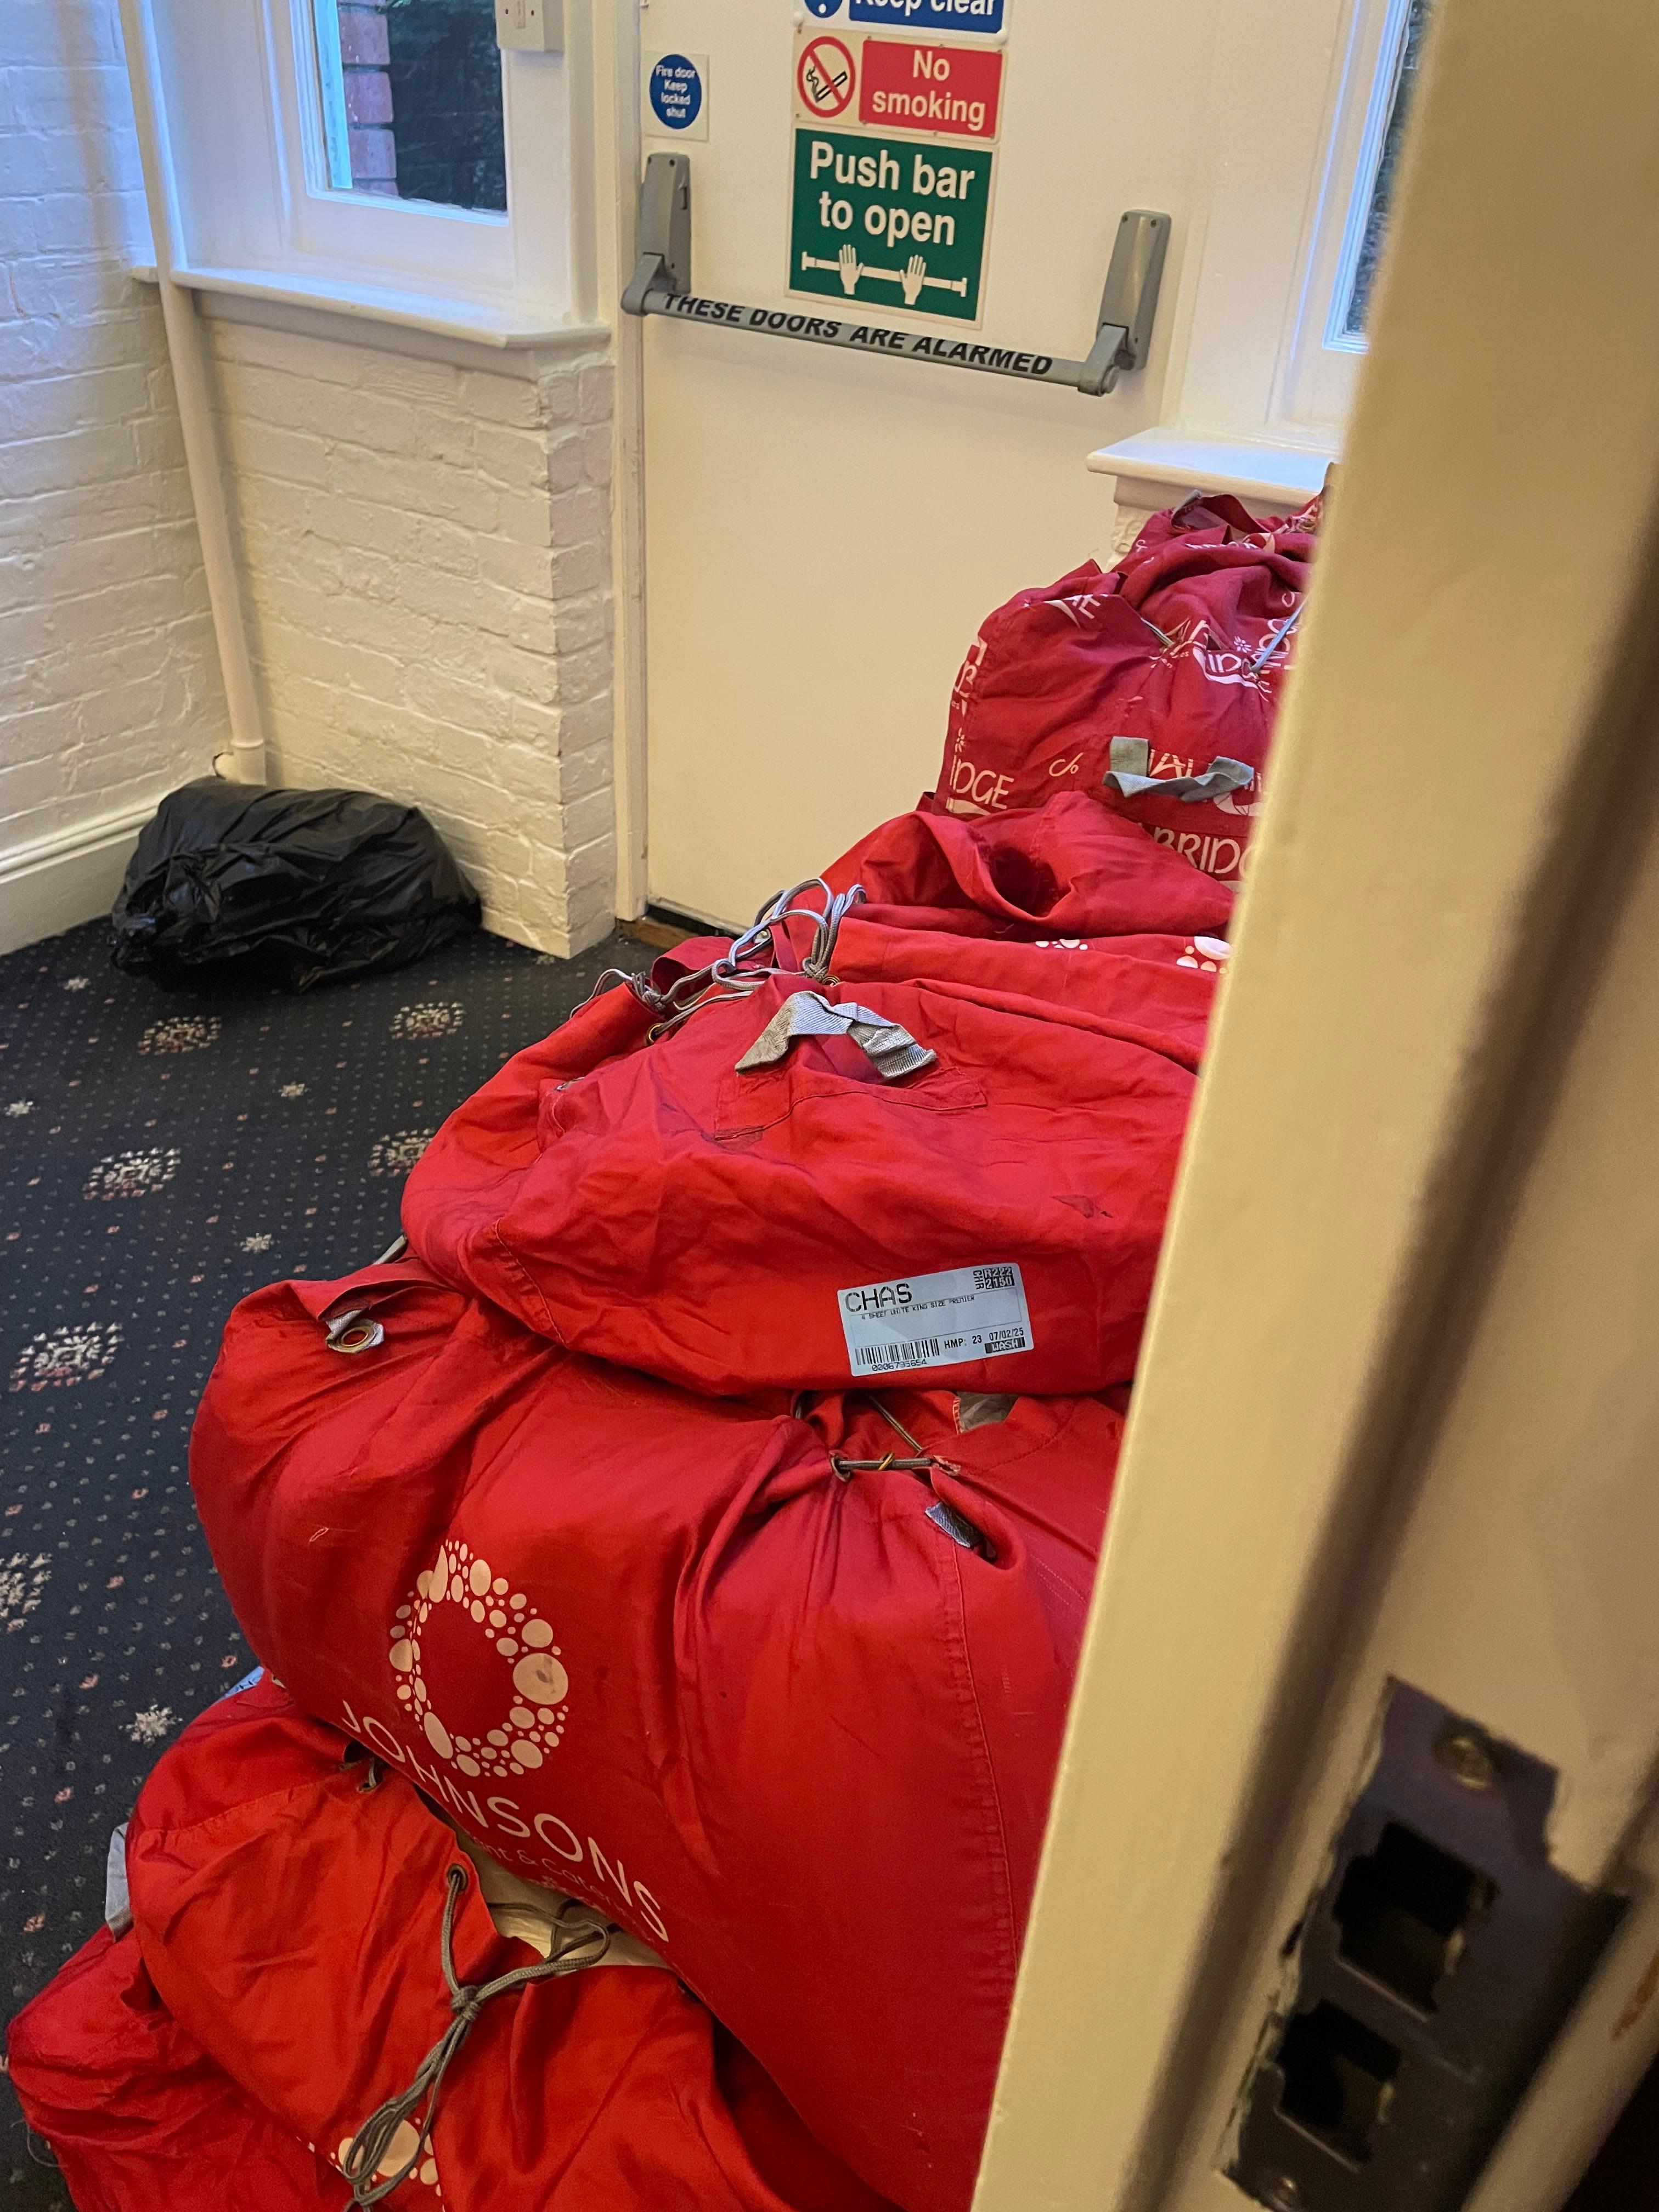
(529, 26)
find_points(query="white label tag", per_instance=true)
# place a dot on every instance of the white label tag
(935, 1321)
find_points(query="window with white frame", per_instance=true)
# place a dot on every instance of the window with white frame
(382, 153)
(1366, 143)
(1300, 155)
(1372, 200)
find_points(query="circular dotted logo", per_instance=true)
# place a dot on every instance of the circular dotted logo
(1208, 953)
(403, 2147)
(535, 1687)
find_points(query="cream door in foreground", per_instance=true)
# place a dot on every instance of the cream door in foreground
(1374, 1660)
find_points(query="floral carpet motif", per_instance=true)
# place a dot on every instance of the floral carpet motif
(162, 1155)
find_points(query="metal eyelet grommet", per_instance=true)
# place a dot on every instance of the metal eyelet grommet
(355, 1331)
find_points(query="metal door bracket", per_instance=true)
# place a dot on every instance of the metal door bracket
(665, 262)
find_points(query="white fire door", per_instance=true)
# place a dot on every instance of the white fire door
(825, 531)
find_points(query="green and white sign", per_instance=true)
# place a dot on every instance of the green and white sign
(890, 223)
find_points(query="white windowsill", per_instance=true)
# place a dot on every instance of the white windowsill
(304, 300)
(1155, 463)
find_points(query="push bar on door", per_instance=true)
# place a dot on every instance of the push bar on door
(661, 285)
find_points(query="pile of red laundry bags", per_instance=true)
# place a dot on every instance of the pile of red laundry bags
(671, 1569)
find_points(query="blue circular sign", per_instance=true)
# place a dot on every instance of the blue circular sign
(824, 7)
(677, 92)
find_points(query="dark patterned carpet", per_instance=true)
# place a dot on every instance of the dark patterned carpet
(162, 1154)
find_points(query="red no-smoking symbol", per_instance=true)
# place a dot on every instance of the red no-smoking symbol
(827, 77)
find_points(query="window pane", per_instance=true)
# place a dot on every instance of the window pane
(1382, 200)
(412, 100)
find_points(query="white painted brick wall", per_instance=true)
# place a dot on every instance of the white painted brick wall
(427, 557)
(109, 683)
(426, 549)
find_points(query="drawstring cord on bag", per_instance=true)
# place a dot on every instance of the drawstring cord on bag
(921, 1460)
(956, 1525)
(847, 1468)
(372, 2140)
(749, 961)
(1276, 640)
(894, 1422)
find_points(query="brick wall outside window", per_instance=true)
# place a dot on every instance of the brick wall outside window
(365, 52)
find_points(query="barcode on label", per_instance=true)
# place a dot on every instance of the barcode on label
(881, 1359)
(994, 1279)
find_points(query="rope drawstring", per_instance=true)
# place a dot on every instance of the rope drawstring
(749, 961)
(894, 1422)
(1276, 640)
(636, 984)
(374, 2140)
(847, 1468)
(956, 1525)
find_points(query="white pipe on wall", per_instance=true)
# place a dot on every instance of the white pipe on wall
(617, 175)
(245, 762)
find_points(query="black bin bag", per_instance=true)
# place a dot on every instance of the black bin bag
(294, 887)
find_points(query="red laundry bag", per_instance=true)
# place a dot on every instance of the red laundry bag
(138, 2117)
(1126, 979)
(292, 1902)
(1031, 708)
(795, 1727)
(732, 1226)
(1063, 867)
(1165, 668)
(1157, 991)
(1226, 592)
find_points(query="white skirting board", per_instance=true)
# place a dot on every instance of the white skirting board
(53, 883)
